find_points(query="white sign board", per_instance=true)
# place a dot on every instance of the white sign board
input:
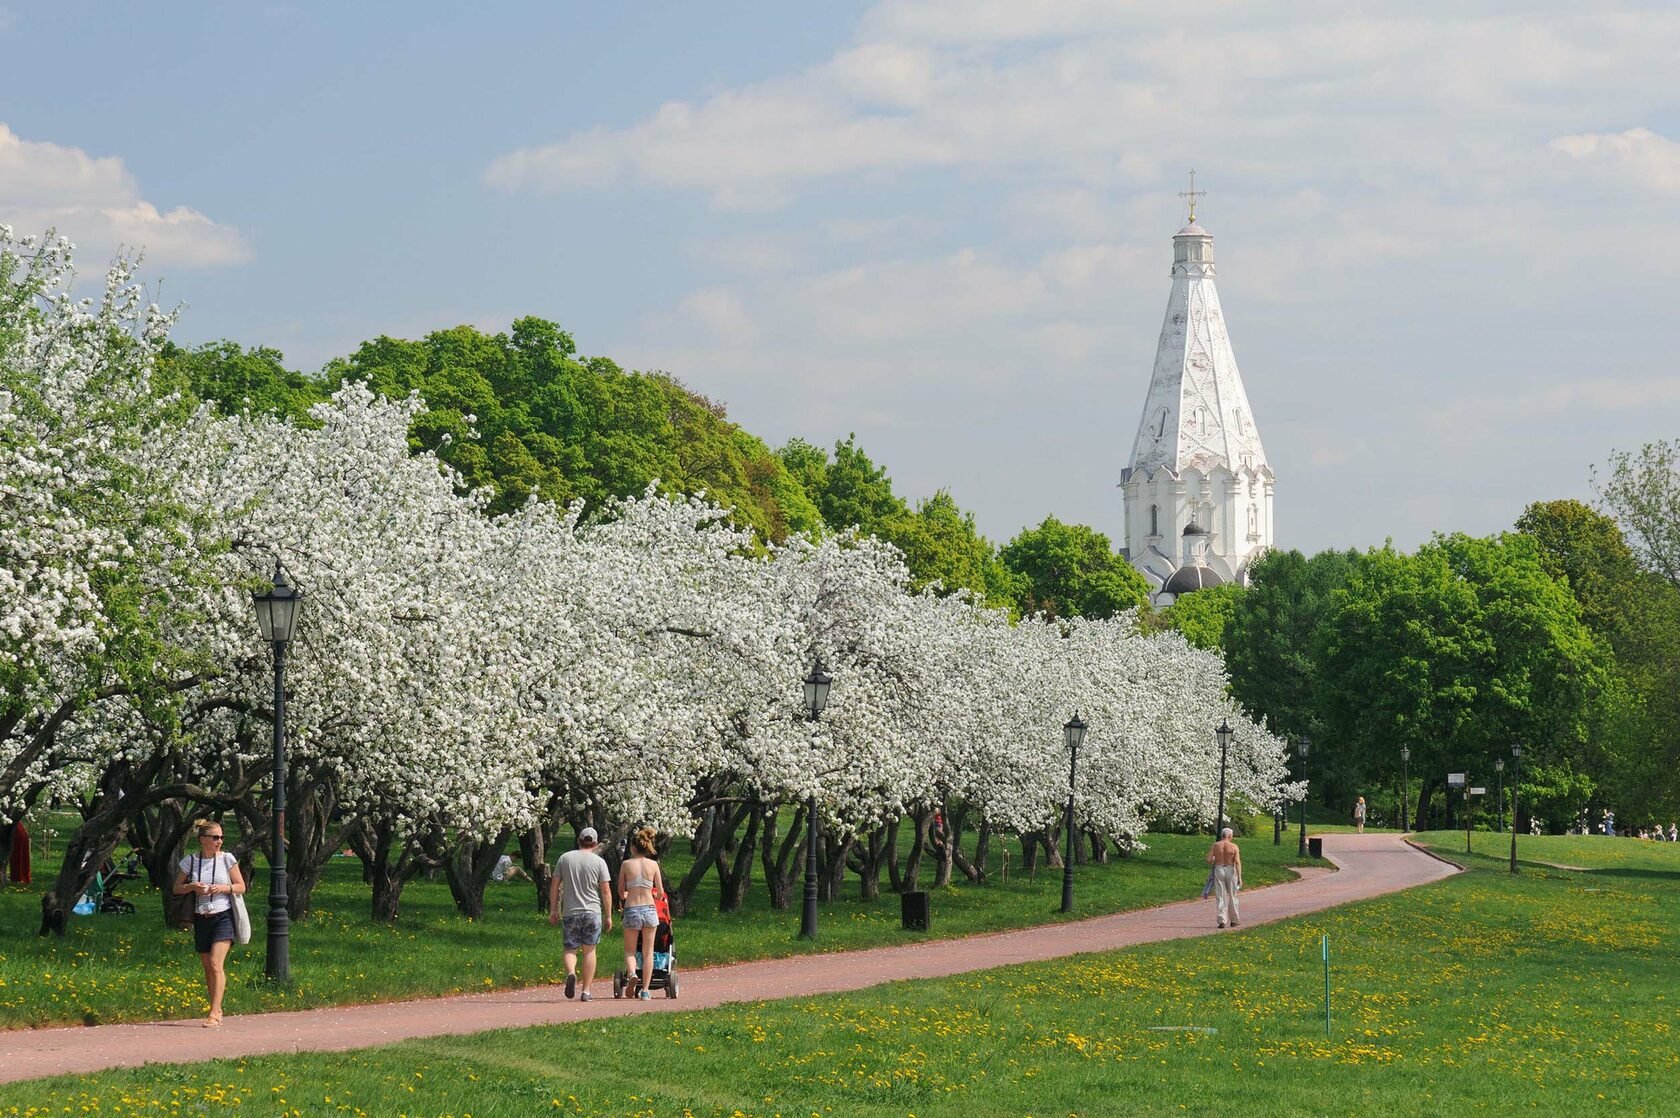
(1456, 780)
(1478, 791)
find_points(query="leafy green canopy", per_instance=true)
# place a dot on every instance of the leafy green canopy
(1634, 762)
(1456, 651)
(521, 413)
(939, 540)
(1070, 570)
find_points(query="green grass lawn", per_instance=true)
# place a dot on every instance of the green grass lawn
(1545, 993)
(125, 968)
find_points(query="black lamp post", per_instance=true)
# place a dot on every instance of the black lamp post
(1499, 795)
(1224, 734)
(1303, 745)
(1405, 787)
(816, 698)
(277, 613)
(1516, 778)
(1074, 730)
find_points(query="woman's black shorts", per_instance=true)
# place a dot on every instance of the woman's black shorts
(211, 928)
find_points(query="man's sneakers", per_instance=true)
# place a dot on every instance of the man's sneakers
(571, 985)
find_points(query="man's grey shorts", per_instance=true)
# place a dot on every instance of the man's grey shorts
(582, 929)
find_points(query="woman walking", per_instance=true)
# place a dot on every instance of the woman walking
(213, 879)
(639, 884)
(1359, 816)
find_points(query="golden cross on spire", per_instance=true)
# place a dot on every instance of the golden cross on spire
(1192, 194)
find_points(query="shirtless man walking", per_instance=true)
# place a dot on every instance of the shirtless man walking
(1226, 861)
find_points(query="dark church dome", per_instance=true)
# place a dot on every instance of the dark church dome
(1186, 579)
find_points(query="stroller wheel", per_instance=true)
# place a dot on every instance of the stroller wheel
(671, 985)
(618, 984)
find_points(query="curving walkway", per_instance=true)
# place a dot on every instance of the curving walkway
(1370, 865)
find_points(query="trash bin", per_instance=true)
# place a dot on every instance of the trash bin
(914, 907)
(1315, 846)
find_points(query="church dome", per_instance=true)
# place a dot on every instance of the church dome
(1194, 529)
(1192, 230)
(1186, 579)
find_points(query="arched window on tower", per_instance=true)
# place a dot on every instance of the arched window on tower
(1154, 520)
(1161, 424)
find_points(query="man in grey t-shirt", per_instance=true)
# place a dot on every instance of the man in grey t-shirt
(580, 898)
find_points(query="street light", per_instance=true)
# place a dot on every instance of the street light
(1405, 786)
(1225, 734)
(1074, 731)
(277, 613)
(1499, 796)
(817, 685)
(1516, 778)
(1302, 745)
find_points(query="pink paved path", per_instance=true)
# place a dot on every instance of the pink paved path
(1370, 865)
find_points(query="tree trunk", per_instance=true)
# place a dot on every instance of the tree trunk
(1029, 852)
(922, 817)
(784, 863)
(945, 845)
(533, 851)
(982, 852)
(700, 848)
(1099, 849)
(104, 824)
(734, 858)
(833, 853)
(871, 855)
(467, 866)
(389, 862)
(895, 863)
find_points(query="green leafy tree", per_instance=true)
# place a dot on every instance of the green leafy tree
(1204, 615)
(941, 544)
(1634, 756)
(1455, 652)
(1270, 637)
(849, 489)
(1643, 490)
(238, 380)
(1070, 570)
(939, 540)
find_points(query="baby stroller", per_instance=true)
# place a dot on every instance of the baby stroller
(664, 958)
(101, 896)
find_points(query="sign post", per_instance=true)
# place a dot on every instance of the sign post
(1326, 945)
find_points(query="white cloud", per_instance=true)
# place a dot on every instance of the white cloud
(1109, 94)
(1651, 160)
(96, 202)
(1393, 234)
(719, 312)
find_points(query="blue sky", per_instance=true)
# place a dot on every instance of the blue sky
(1447, 234)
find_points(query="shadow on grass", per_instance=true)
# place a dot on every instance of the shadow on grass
(1628, 871)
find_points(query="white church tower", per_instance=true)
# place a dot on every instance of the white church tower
(1198, 491)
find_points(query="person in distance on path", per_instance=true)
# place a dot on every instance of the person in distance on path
(585, 907)
(1359, 816)
(1226, 861)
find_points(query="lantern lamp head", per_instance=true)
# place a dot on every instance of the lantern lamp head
(817, 685)
(278, 608)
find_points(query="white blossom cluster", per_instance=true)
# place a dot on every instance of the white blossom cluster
(457, 672)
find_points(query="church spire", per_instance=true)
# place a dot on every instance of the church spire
(1197, 458)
